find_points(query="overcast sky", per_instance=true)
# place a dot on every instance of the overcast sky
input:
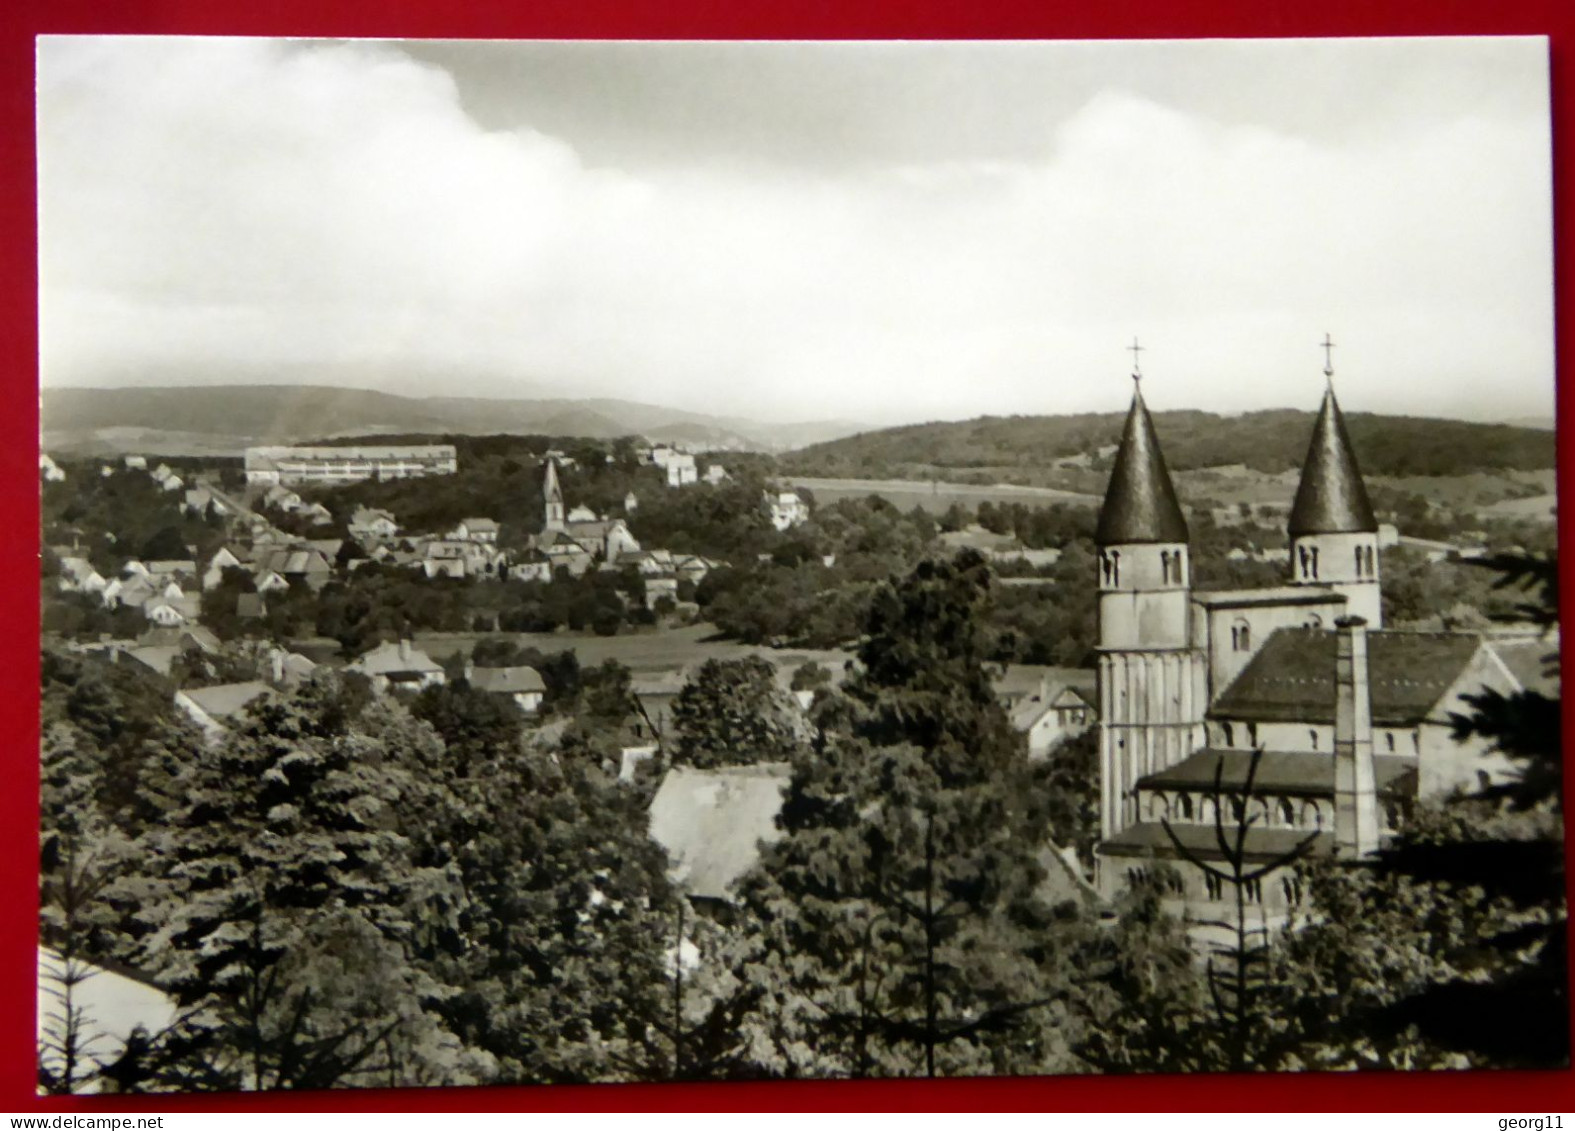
(874, 232)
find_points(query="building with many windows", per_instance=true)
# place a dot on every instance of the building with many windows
(275, 465)
(1288, 710)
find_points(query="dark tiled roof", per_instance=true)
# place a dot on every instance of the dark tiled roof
(1291, 679)
(1304, 773)
(1148, 840)
(1140, 502)
(1331, 497)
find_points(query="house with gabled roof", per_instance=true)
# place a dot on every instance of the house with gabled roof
(216, 708)
(522, 685)
(483, 530)
(397, 667)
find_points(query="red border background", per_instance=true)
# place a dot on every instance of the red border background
(21, 20)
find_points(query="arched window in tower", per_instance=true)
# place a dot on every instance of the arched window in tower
(1228, 733)
(1164, 565)
(1287, 813)
(1104, 567)
(1312, 737)
(1241, 636)
(1186, 807)
(1361, 561)
(1115, 567)
(1313, 621)
(1314, 555)
(1372, 562)
(1303, 559)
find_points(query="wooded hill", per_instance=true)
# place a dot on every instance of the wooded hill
(79, 419)
(1272, 441)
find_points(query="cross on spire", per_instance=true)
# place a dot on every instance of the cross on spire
(1135, 349)
(1328, 355)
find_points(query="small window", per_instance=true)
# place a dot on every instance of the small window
(1287, 813)
(1164, 565)
(1292, 887)
(1241, 636)
(1228, 733)
(1186, 807)
(1389, 741)
(1213, 885)
(1253, 890)
(1312, 737)
(1315, 563)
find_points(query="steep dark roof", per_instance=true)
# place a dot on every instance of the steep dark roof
(1140, 502)
(1331, 498)
(1280, 772)
(1291, 679)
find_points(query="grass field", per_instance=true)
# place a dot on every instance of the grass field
(666, 649)
(937, 496)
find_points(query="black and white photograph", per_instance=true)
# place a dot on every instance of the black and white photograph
(573, 561)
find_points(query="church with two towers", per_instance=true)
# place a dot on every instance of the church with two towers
(1352, 719)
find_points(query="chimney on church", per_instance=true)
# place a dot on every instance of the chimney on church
(1355, 785)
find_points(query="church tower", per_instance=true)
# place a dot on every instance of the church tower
(1334, 536)
(1151, 680)
(552, 495)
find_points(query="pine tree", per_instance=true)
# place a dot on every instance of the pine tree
(276, 892)
(898, 926)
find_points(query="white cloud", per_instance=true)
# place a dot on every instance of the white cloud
(234, 207)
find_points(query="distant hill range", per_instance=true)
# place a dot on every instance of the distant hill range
(224, 419)
(1273, 442)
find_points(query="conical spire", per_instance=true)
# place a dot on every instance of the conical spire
(1140, 503)
(1332, 499)
(550, 491)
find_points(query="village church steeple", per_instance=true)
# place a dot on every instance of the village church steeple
(1333, 534)
(552, 497)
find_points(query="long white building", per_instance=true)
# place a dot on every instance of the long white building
(268, 465)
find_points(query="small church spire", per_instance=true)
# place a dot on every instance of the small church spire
(552, 497)
(1140, 502)
(1331, 497)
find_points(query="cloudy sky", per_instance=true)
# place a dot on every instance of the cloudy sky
(874, 232)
